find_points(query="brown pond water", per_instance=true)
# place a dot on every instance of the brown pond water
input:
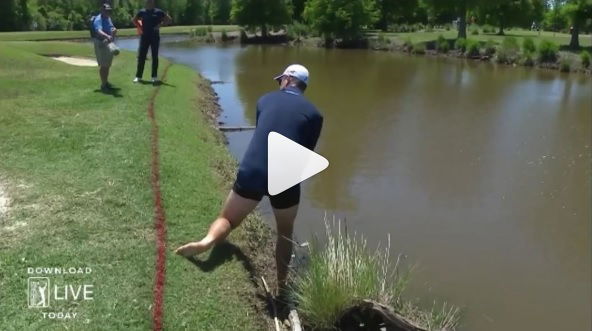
(480, 173)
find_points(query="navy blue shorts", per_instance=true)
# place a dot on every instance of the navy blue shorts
(288, 198)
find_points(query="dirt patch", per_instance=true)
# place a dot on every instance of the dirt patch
(76, 61)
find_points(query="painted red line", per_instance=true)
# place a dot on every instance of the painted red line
(159, 218)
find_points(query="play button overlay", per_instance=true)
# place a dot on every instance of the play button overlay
(289, 163)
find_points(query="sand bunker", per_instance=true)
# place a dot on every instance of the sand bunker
(76, 61)
(3, 202)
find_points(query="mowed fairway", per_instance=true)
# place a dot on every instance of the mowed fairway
(75, 164)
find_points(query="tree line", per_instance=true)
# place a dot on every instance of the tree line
(332, 19)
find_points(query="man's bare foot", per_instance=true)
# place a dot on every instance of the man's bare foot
(193, 248)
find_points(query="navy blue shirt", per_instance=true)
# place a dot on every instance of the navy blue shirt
(288, 113)
(151, 18)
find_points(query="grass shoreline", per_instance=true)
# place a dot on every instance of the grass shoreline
(75, 167)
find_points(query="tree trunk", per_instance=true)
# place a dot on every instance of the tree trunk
(575, 37)
(264, 30)
(501, 25)
(462, 25)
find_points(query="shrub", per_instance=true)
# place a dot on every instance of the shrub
(528, 45)
(528, 59)
(472, 48)
(460, 44)
(490, 48)
(419, 48)
(408, 44)
(474, 29)
(508, 52)
(198, 32)
(548, 51)
(210, 29)
(447, 26)
(442, 44)
(565, 65)
(225, 35)
(585, 57)
(297, 31)
(382, 40)
(488, 29)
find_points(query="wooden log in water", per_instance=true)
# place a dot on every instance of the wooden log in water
(236, 128)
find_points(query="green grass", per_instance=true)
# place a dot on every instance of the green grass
(65, 35)
(342, 272)
(76, 166)
(559, 38)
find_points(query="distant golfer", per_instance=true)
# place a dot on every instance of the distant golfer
(148, 21)
(103, 32)
(289, 113)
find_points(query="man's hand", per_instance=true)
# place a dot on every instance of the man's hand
(113, 31)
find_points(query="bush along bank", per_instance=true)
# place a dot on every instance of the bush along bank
(546, 54)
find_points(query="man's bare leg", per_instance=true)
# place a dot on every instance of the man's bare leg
(235, 209)
(104, 74)
(284, 219)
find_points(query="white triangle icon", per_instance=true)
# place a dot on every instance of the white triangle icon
(289, 163)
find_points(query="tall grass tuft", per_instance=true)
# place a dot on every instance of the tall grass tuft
(442, 44)
(548, 51)
(460, 44)
(508, 51)
(528, 45)
(585, 57)
(473, 48)
(565, 65)
(342, 272)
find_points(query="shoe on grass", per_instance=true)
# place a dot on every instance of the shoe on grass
(137, 80)
(155, 80)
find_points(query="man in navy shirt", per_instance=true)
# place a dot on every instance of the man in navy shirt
(149, 20)
(288, 113)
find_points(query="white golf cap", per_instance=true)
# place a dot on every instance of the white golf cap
(297, 71)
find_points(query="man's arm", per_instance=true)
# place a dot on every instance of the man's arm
(165, 19)
(137, 20)
(316, 124)
(98, 26)
(112, 26)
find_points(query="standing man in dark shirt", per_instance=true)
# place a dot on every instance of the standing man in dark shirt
(149, 20)
(290, 114)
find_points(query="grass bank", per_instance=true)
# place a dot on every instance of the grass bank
(66, 35)
(75, 168)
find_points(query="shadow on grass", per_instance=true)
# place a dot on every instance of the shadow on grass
(158, 83)
(112, 92)
(225, 252)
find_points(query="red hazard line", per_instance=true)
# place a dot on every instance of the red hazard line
(159, 218)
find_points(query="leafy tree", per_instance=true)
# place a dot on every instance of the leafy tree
(506, 13)
(297, 9)
(260, 13)
(391, 11)
(194, 12)
(219, 11)
(23, 15)
(460, 7)
(7, 19)
(340, 19)
(577, 12)
(555, 19)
